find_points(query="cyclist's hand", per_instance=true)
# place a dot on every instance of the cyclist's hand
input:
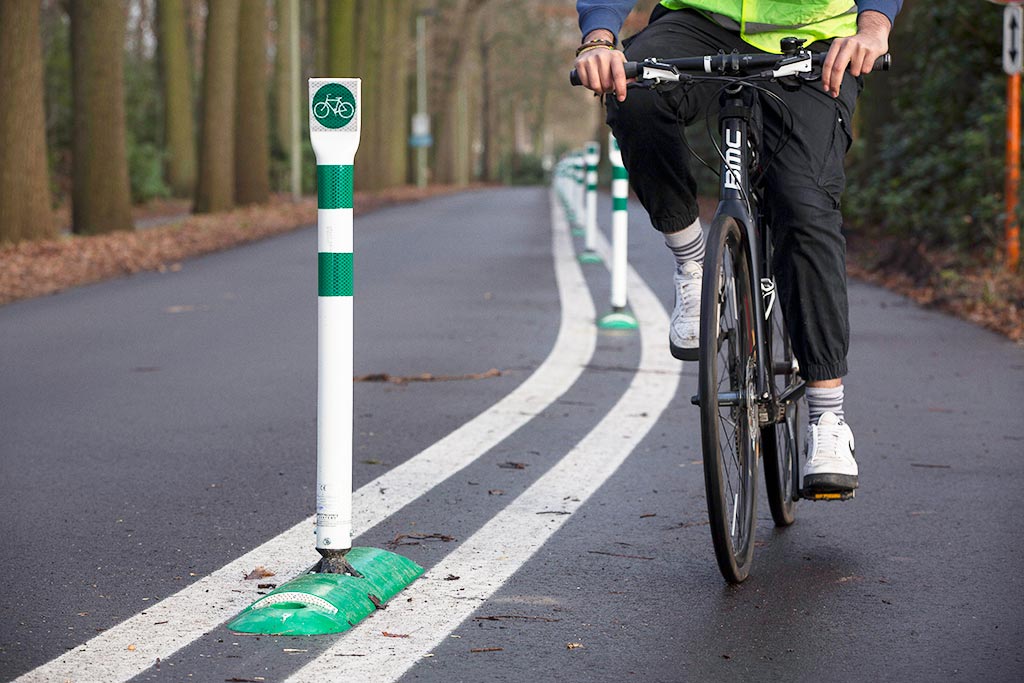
(858, 53)
(600, 69)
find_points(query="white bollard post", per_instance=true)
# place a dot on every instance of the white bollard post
(591, 156)
(334, 131)
(578, 191)
(619, 318)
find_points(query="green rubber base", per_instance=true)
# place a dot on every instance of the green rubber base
(578, 232)
(618, 320)
(590, 257)
(316, 604)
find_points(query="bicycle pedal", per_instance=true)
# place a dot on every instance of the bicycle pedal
(827, 495)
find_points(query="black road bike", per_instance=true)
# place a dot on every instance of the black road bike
(749, 390)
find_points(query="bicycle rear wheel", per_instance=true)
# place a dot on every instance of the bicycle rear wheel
(727, 381)
(783, 439)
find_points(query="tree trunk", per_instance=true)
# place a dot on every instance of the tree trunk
(341, 39)
(25, 211)
(284, 108)
(252, 153)
(369, 21)
(450, 136)
(101, 199)
(179, 124)
(394, 93)
(215, 189)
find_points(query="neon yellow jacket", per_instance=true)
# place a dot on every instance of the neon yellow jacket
(763, 23)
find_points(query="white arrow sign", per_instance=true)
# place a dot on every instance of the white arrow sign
(1013, 46)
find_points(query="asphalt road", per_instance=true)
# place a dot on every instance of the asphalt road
(157, 440)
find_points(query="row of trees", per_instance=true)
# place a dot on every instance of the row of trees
(107, 102)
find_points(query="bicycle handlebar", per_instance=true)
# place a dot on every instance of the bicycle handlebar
(733, 64)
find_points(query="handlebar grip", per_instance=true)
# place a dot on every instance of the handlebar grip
(884, 62)
(631, 68)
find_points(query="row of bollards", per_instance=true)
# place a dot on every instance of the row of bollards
(575, 180)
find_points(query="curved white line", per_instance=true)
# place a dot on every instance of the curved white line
(433, 607)
(177, 621)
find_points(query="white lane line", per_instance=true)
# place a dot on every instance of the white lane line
(180, 619)
(431, 608)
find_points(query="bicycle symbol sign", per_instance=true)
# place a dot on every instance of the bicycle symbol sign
(334, 106)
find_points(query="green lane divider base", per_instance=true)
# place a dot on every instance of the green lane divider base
(316, 604)
(590, 257)
(618, 320)
(578, 232)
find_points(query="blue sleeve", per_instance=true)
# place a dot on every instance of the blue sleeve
(889, 8)
(606, 14)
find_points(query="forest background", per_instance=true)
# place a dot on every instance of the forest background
(184, 106)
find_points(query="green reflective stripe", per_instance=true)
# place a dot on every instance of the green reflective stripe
(619, 173)
(591, 187)
(618, 203)
(334, 273)
(334, 187)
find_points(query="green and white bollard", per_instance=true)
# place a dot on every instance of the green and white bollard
(619, 318)
(577, 217)
(591, 156)
(348, 583)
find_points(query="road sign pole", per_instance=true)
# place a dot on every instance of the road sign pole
(1012, 171)
(349, 583)
(1013, 62)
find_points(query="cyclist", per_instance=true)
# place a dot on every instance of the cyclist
(802, 186)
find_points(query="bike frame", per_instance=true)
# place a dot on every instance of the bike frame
(737, 200)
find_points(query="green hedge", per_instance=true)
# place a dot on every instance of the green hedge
(928, 161)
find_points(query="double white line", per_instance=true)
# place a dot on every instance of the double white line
(484, 561)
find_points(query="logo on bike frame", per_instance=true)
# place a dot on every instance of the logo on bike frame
(334, 106)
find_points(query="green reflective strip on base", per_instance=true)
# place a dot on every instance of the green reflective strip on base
(619, 173)
(619, 204)
(334, 274)
(334, 187)
(591, 187)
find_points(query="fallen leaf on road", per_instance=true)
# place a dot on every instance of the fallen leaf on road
(496, 492)
(452, 577)
(394, 635)
(573, 646)
(264, 586)
(632, 557)
(400, 539)
(259, 572)
(486, 649)
(131, 648)
(509, 465)
(502, 617)
(649, 514)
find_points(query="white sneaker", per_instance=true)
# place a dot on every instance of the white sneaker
(830, 466)
(684, 328)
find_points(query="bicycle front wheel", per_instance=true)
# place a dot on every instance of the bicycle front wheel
(727, 381)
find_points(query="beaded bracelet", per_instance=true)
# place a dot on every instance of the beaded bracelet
(594, 47)
(598, 42)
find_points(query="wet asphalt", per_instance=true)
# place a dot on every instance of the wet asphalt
(155, 427)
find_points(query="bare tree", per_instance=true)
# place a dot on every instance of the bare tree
(179, 124)
(252, 144)
(215, 189)
(24, 179)
(101, 200)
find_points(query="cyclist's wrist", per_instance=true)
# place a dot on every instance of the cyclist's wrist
(600, 34)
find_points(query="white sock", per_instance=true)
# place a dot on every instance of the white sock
(821, 400)
(687, 244)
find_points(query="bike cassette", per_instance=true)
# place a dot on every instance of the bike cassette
(826, 495)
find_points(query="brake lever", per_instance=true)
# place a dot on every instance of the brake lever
(659, 76)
